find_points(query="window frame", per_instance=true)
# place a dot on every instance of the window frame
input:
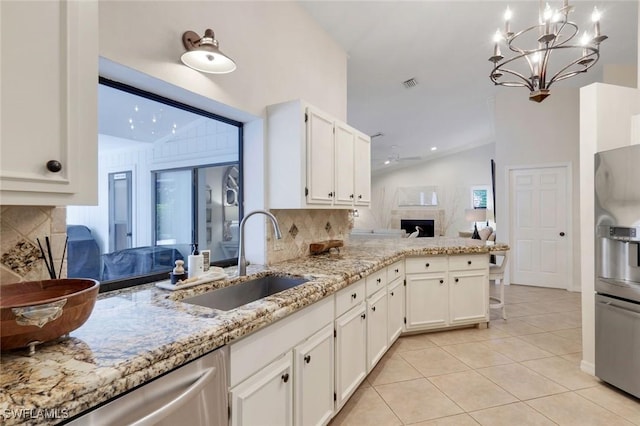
(111, 285)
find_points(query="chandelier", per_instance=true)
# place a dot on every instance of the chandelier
(530, 65)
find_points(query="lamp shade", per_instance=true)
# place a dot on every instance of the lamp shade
(204, 55)
(475, 215)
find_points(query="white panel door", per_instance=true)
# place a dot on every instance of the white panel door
(539, 222)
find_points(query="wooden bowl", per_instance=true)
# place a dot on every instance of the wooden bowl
(34, 312)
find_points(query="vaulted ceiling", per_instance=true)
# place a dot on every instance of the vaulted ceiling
(444, 46)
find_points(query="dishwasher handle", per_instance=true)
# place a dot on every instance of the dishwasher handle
(161, 413)
(613, 306)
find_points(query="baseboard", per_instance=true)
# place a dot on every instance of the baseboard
(588, 367)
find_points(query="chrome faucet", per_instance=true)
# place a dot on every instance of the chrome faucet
(242, 262)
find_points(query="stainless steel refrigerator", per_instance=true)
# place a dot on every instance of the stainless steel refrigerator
(617, 262)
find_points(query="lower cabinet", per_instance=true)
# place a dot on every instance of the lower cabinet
(427, 298)
(377, 341)
(313, 379)
(284, 374)
(350, 352)
(446, 291)
(469, 297)
(266, 398)
(395, 310)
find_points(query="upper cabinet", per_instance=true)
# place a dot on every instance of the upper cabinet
(315, 160)
(48, 112)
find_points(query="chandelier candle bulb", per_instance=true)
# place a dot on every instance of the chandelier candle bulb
(507, 22)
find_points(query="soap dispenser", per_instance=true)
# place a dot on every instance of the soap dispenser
(195, 262)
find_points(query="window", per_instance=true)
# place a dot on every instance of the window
(169, 176)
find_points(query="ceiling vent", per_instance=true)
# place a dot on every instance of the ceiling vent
(412, 82)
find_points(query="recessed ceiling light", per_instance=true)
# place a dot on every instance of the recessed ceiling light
(132, 127)
(387, 162)
(131, 121)
(135, 108)
(434, 148)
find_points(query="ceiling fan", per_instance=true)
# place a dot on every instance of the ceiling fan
(398, 159)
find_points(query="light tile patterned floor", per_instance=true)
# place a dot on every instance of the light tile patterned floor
(522, 371)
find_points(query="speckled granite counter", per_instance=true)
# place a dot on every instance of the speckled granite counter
(137, 334)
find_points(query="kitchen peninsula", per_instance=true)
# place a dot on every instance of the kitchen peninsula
(137, 334)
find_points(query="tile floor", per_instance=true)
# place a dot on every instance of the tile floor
(522, 371)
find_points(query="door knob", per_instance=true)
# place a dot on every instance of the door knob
(562, 234)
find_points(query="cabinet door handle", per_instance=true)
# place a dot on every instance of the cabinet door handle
(363, 316)
(351, 196)
(469, 262)
(456, 280)
(307, 359)
(360, 197)
(285, 377)
(397, 271)
(426, 265)
(442, 281)
(373, 308)
(354, 295)
(54, 166)
(331, 195)
(379, 280)
(392, 293)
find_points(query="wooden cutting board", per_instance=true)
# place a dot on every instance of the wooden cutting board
(322, 246)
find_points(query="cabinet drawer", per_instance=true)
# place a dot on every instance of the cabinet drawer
(376, 281)
(349, 297)
(415, 265)
(468, 261)
(395, 271)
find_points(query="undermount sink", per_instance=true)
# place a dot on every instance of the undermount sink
(231, 297)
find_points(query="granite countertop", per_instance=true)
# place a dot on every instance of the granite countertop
(136, 334)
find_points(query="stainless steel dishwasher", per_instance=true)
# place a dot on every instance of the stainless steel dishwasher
(193, 394)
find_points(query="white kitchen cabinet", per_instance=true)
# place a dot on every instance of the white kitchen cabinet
(315, 157)
(377, 340)
(454, 292)
(427, 301)
(266, 398)
(49, 128)
(344, 164)
(362, 170)
(271, 381)
(395, 302)
(469, 297)
(313, 379)
(320, 157)
(350, 352)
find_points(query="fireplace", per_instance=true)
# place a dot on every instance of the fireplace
(425, 227)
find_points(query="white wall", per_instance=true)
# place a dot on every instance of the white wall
(453, 175)
(305, 63)
(535, 134)
(281, 53)
(605, 123)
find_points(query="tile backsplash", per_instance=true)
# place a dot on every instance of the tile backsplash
(303, 227)
(20, 229)
(21, 226)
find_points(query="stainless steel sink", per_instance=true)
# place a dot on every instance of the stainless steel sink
(231, 297)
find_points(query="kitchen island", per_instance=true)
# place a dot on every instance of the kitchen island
(137, 334)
